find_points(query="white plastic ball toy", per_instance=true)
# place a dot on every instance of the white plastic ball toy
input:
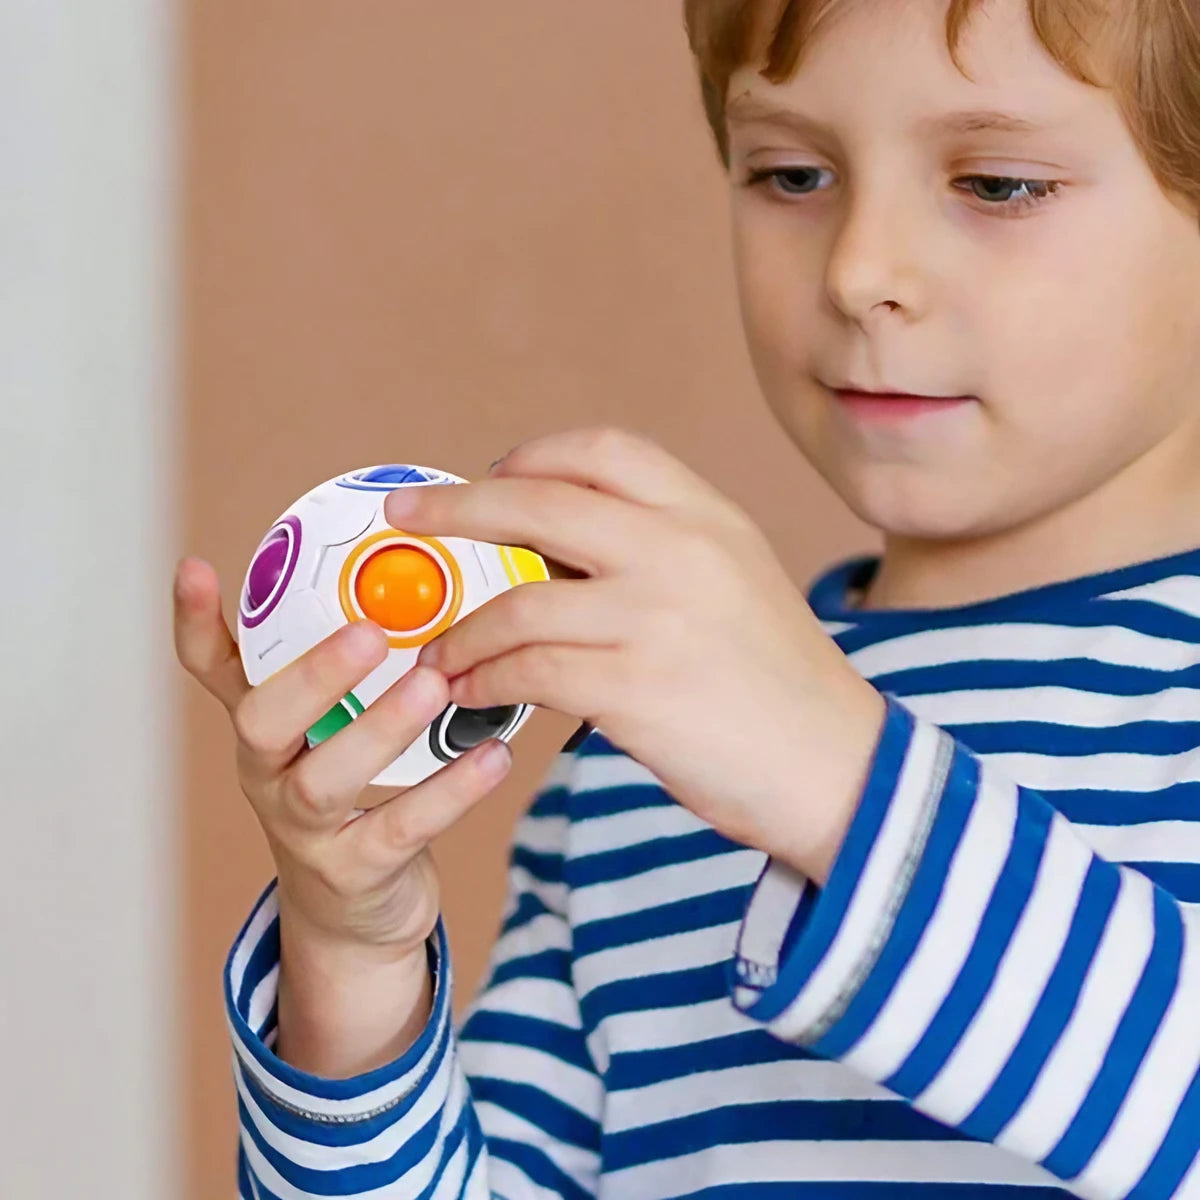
(332, 558)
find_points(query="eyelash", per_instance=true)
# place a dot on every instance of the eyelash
(1047, 188)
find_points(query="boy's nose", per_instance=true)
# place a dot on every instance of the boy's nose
(873, 267)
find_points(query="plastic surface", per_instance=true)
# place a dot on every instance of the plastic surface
(332, 558)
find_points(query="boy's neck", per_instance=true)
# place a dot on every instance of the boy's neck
(1103, 531)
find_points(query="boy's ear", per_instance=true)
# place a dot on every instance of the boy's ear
(577, 738)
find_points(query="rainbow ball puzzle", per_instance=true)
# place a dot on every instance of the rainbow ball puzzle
(332, 558)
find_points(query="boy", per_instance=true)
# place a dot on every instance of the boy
(897, 892)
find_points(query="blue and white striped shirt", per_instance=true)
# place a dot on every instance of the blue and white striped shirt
(997, 991)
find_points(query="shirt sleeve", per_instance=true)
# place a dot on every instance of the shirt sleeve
(520, 1122)
(971, 953)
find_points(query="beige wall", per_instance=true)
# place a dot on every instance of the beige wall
(425, 232)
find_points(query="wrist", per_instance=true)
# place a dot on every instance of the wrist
(843, 734)
(346, 1008)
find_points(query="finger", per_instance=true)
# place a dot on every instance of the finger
(272, 718)
(619, 462)
(577, 612)
(391, 834)
(203, 643)
(325, 783)
(584, 528)
(580, 681)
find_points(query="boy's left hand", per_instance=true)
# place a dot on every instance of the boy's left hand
(685, 643)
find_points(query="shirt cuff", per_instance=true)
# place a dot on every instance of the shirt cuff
(805, 953)
(288, 1095)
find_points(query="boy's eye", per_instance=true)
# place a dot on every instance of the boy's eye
(791, 181)
(1006, 192)
(1004, 195)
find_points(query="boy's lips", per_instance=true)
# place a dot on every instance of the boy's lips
(871, 405)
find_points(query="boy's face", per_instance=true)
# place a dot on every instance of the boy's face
(878, 258)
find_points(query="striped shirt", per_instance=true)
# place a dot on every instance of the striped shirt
(996, 993)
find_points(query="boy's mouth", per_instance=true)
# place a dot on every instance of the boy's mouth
(892, 405)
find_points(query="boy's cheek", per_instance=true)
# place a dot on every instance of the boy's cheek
(777, 295)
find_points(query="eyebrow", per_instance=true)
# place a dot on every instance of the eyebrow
(747, 108)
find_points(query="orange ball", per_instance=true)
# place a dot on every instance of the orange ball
(400, 588)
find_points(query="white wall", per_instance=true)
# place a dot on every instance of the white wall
(87, 1017)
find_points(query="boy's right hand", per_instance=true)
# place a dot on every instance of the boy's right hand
(358, 895)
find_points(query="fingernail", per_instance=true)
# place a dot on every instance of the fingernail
(495, 754)
(420, 685)
(431, 654)
(361, 636)
(402, 500)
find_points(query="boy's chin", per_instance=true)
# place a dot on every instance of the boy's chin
(928, 514)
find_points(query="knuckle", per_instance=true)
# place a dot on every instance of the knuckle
(539, 669)
(193, 659)
(609, 443)
(552, 495)
(308, 799)
(401, 831)
(248, 724)
(700, 551)
(523, 603)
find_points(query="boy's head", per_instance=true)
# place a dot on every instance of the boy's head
(1052, 272)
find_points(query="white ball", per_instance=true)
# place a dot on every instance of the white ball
(332, 558)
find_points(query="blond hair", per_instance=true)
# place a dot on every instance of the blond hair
(1153, 61)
